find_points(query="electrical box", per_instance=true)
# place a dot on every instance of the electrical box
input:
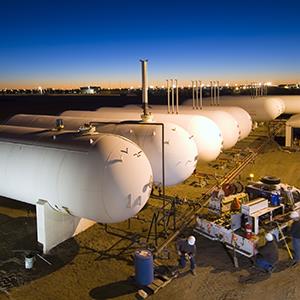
(254, 206)
(236, 221)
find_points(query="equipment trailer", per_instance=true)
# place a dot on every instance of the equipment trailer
(239, 221)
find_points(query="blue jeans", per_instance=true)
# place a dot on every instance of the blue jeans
(182, 261)
(296, 248)
(263, 264)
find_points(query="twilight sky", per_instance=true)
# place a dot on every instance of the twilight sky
(96, 42)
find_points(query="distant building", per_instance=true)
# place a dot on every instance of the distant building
(289, 86)
(90, 90)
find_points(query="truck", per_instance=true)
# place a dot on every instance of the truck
(240, 220)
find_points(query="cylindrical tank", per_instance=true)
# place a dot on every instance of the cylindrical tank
(227, 124)
(294, 121)
(260, 109)
(292, 103)
(209, 140)
(179, 146)
(206, 133)
(85, 175)
(239, 114)
(144, 271)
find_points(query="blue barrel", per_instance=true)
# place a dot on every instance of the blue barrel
(275, 200)
(143, 262)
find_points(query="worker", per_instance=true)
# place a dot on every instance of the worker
(267, 255)
(187, 250)
(295, 233)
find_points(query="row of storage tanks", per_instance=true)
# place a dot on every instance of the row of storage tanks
(105, 172)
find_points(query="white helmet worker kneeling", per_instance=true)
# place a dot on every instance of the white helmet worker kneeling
(267, 255)
(187, 250)
(295, 233)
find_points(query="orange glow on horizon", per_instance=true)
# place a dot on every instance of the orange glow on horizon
(128, 85)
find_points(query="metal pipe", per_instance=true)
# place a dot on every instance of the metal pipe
(211, 94)
(259, 90)
(168, 95)
(216, 100)
(218, 96)
(144, 86)
(215, 93)
(163, 173)
(193, 92)
(177, 97)
(172, 93)
(201, 104)
(197, 104)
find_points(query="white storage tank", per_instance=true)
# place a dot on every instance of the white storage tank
(180, 148)
(101, 177)
(292, 103)
(206, 133)
(260, 109)
(239, 114)
(199, 128)
(294, 121)
(227, 124)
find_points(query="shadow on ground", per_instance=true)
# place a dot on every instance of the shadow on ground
(213, 255)
(18, 236)
(113, 290)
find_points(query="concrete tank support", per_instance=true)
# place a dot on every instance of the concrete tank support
(288, 135)
(54, 227)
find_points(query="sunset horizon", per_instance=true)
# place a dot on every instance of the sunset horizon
(61, 47)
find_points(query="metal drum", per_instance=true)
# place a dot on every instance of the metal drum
(275, 200)
(143, 261)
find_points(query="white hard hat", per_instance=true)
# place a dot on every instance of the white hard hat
(191, 240)
(294, 215)
(269, 237)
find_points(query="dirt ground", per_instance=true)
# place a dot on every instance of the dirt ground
(97, 264)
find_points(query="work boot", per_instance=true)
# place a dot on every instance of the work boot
(194, 273)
